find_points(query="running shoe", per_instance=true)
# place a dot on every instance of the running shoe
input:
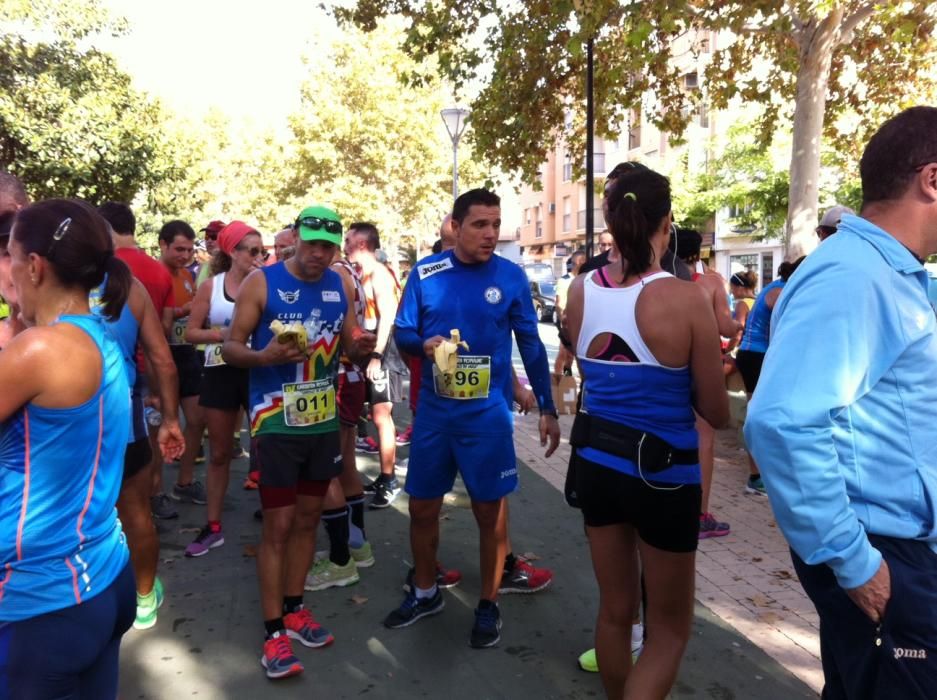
(252, 480)
(204, 541)
(588, 661)
(368, 445)
(363, 556)
(200, 457)
(486, 632)
(404, 437)
(413, 608)
(524, 578)
(278, 659)
(239, 452)
(147, 605)
(162, 507)
(384, 494)
(327, 574)
(302, 627)
(756, 485)
(710, 527)
(194, 493)
(445, 578)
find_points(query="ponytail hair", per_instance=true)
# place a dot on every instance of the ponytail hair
(786, 269)
(220, 262)
(638, 200)
(76, 241)
(746, 280)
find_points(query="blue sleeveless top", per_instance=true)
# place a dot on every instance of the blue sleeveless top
(60, 474)
(320, 306)
(758, 324)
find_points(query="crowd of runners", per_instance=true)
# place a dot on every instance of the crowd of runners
(114, 363)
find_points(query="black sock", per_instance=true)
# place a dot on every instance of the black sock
(274, 625)
(509, 562)
(336, 525)
(482, 604)
(756, 475)
(356, 510)
(292, 603)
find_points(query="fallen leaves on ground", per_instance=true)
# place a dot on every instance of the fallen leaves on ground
(250, 550)
(358, 599)
(761, 601)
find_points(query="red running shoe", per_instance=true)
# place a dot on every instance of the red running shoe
(524, 578)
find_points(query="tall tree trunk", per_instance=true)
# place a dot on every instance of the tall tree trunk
(817, 40)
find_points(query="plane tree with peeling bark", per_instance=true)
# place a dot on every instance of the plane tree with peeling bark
(810, 63)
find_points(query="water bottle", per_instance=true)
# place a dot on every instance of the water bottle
(153, 417)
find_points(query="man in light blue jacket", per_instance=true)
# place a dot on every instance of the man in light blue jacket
(843, 424)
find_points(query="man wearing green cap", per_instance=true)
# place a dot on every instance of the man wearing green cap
(293, 417)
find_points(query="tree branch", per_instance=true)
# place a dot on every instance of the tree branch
(851, 22)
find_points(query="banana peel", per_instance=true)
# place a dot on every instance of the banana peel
(293, 332)
(446, 353)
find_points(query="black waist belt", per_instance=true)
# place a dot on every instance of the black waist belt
(652, 453)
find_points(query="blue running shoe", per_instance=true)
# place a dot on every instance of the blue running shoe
(487, 629)
(278, 659)
(413, 608)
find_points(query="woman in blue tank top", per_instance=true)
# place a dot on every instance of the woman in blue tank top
(647, 345)
(66, 588)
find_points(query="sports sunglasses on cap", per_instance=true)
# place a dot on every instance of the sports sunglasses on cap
(315, 223)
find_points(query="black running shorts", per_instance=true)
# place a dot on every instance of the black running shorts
(189, 368)
(665, 519)
(749, 365)
(224, 387)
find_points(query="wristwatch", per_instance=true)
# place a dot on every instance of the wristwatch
(376, 356)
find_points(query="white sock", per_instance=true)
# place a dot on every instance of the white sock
(423, 593)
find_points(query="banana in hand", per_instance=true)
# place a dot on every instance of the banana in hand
(293, 332)
(446, 353)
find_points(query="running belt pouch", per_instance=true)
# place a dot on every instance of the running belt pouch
(655, 453)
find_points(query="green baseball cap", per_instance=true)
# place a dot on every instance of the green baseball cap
(319, 223)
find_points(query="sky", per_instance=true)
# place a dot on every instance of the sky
(240, 57)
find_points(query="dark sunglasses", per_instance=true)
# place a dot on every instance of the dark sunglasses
(253, 252)
(211, 236)
(315, 223)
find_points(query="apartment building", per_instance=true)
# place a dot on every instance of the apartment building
(553, 216)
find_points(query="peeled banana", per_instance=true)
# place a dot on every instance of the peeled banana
(446, 353)
(293, 332)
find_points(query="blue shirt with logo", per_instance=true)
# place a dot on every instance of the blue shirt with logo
(486, 302)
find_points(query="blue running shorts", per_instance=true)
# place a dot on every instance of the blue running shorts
(486, 462)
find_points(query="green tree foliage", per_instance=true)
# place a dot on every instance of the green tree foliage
(369, 147)
(804, 61)
(71, 124)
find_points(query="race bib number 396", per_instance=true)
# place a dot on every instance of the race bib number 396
(471, 379)
(308, 403)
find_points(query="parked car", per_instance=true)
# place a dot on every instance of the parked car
(539, 272)
(544, 295)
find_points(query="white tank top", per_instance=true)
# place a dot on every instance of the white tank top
(612, 310)
(221, 310)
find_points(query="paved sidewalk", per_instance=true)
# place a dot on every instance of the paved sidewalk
(745, 578)
(208, 639)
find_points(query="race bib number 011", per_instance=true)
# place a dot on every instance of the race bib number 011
(177, 336)
(471, 379)
(308, 403)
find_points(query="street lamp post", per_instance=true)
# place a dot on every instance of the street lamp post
(584, 9)
(454, 119)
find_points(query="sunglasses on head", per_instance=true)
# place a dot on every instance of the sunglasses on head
(315, 223)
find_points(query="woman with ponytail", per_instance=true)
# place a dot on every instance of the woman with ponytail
(648, 352)
(66, 588)
(224, 387)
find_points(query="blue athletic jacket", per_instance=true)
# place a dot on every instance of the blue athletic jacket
(842, 424)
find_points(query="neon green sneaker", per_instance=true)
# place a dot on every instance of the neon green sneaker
(588, 661)
(147, 605)
(326, 574)
(363, 556)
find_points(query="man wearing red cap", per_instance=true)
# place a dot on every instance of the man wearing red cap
(212, 231)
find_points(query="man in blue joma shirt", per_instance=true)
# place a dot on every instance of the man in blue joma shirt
(844, 425)
(464, 423)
